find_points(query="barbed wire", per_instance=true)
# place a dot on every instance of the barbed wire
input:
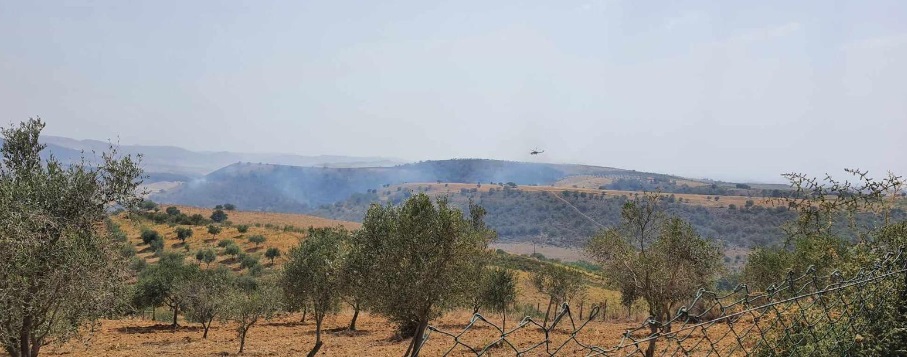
(809, 314)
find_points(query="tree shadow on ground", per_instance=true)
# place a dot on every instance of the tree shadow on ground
(156, 328)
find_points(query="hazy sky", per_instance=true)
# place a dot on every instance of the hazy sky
(738, 90)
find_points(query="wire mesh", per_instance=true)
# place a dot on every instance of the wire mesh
(809, 314)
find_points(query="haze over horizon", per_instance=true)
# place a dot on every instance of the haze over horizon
(702, 89)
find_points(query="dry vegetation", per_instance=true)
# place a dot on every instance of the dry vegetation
(286, 336)
(269, 225)
(692, 199)
(594, 182)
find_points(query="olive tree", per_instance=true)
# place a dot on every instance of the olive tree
(250, 302)
(213, 230)
(149, 235)
(660, 259)
(313, 273)
(206, 255)
(58, 266)
(428, 257)
(204, 296)
(157, 284)
(499, 292)
(257, 239)
(557, 283)
(183, 233)
(218, 216)
(272, 253)
(355, 275)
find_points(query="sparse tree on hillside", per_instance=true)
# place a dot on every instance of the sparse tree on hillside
(557, 283)
(229, 207)
(272, 253)
(498, 292)
(257, 239)
(247, 261)
(157, 245)
(158, 283)
(242, 228)
(172, 211)
(207, 256)
(664, 259)
(232, 250)
(428, 258)
(218, 216)
(57, 270)
(183, 233)
(205, 295)
(249, 303)
(313, 273)
(197, 219)
(213, 231)
(149, 235)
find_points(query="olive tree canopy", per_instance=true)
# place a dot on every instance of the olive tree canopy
(58, 265)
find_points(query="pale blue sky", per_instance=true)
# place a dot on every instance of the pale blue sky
(721, 89)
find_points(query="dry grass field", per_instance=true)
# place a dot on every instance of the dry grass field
(693, 199)
(269, 225)
(594, 182)
(286, 336)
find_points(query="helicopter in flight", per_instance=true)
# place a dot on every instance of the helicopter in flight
(536, 152)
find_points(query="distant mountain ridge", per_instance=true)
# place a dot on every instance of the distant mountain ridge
(178, 162)
(283, 188)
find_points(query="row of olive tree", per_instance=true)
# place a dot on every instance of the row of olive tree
(204, 295)
(408, 263)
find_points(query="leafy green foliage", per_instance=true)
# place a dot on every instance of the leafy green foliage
(559, 284)
(248, 261)
(232, 250)
(428, 258)
(250, 301)
(242, 228)
(157, 245)
(183, 233)
(150, 235)
(498, 291)
(158, 283)
(214, 230)
(661, 260)
(257, 239)
(204, 295)
(218, 216)
(206, 256)
(313, 273)
(272, 253)
(57, 270)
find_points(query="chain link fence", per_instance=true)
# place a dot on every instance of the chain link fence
(810, 314)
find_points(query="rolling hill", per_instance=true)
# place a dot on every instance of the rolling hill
(550, 204)
(170, 163)
(300, 189)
